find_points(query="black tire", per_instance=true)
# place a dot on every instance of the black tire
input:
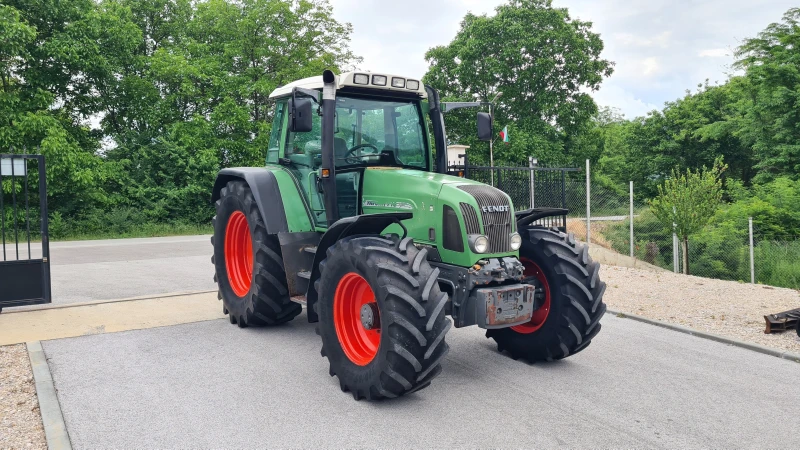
(576, 299)
(798, 328)
(267, 301)
(412, 317)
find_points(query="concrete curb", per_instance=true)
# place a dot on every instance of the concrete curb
(102, 302)
(55, 430)
(713, 337)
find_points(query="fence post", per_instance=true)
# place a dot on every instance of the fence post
(675, 256)
(588, 204)
(752, 259)
(532, 177)
(631, 202)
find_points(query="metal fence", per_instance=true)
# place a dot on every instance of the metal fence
(613, 218)
(620, 222)
(529, 187)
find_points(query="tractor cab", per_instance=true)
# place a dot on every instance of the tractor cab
(372, 128)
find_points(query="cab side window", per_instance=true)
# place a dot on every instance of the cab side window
(274, 147)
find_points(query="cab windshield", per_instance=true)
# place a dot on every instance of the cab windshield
(368, 132)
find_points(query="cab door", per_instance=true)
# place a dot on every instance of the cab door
(303, 158)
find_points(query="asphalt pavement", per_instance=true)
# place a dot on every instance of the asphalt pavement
(123, 268)
(211, 384)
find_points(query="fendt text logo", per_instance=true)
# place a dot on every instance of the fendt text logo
(492, 208)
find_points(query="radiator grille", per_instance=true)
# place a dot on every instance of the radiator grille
(470, 219)
(496, 225)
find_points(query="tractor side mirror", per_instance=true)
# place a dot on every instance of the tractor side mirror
(484, 126)
(301, 118)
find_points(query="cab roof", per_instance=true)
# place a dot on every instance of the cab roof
(347, 79)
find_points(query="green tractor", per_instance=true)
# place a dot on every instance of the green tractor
(353, 218)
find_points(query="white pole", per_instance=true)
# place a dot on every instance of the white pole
(491, 152)
(588, 205)
(752, 259)
(676, 260)
(530, 164)
(631, 202)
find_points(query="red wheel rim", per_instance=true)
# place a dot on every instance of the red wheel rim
(540, 315)
(359, 344)
(239, 254)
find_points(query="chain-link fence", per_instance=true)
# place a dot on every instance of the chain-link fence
(730, 252)
(617, 220)
(777, 263)
(712, 253)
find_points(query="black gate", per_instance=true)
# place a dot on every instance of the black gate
(25, 265)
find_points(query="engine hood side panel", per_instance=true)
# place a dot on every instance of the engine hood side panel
(424, 194)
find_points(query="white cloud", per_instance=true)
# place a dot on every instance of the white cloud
(617, 97)
(714, 53)
(662, 40)
(650, 66)
(660, 47)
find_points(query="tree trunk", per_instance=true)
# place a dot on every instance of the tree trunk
(685, 248)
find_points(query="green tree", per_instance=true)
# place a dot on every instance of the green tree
(543, 61)
(770, 115)
(47, 51)
(687, 201)
(193, 96)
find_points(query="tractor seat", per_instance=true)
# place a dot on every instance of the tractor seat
(340, 148)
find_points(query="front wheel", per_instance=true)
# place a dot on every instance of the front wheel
(569, 316)
(381, 316)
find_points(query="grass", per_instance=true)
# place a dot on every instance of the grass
(144, 231)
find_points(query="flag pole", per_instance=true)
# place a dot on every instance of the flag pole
(491, 141)
(491, 152)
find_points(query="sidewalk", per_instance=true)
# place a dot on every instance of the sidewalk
(107, 317)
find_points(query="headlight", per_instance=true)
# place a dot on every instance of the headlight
(516, 241)
(398, 82)
(361, 78)
(412, 84)
(479, 243)
(379, 80)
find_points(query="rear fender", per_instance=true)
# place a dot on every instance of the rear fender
(266, 193)
(349, 226)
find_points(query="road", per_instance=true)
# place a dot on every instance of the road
(212, 385)
(123, 268)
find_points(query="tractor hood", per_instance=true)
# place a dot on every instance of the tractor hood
(446, 210)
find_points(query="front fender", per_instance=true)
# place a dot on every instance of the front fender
(349, 226)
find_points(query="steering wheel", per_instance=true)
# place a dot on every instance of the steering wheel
(351, 158)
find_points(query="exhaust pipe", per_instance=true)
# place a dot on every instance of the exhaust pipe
(328, 155)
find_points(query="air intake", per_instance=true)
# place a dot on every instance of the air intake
(451, 231)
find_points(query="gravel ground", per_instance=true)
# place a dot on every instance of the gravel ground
(20, 421)
(726, 308)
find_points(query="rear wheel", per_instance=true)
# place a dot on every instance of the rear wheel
(571, 299)
(381, 316)
(247, 261)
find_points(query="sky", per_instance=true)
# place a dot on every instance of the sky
(660, 48)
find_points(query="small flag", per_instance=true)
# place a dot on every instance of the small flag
(504, 134)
